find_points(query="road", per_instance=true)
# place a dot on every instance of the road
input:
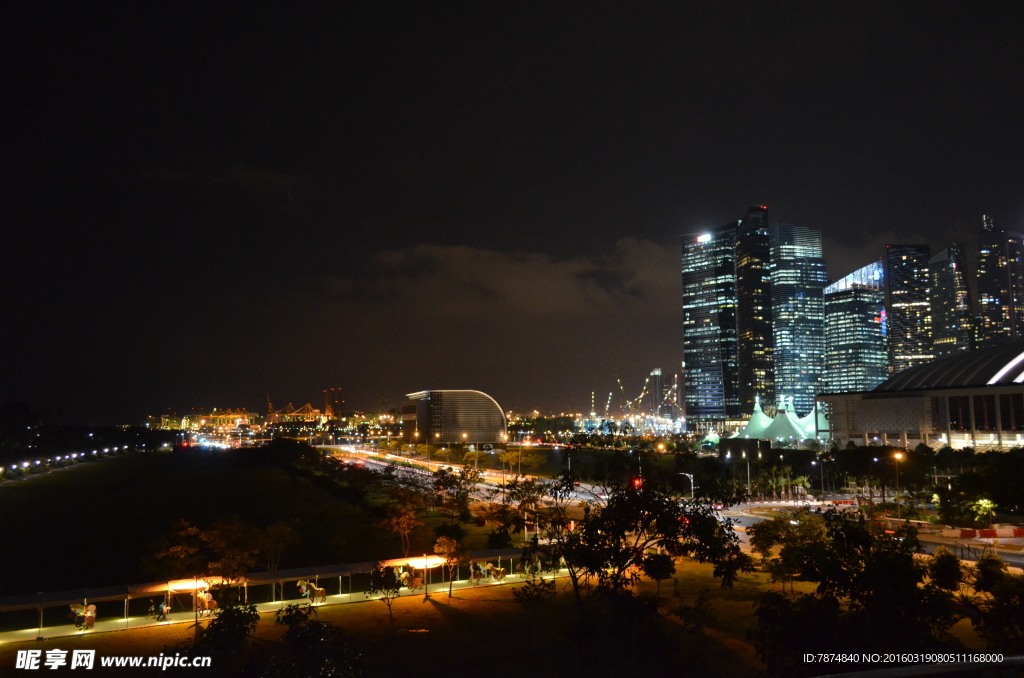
(965, 548)
(740, 515)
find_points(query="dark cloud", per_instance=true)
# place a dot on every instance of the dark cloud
(206, 204)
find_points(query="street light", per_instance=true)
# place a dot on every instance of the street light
(748, 474)
(898, 456)
(690, 476)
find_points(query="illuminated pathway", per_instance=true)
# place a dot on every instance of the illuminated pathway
(435, 589)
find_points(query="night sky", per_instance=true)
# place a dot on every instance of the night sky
(203, 206)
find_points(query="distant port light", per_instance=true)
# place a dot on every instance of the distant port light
(704, 238)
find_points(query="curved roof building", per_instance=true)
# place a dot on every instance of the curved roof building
(1002, 364)
(973, 399)
(452, 416)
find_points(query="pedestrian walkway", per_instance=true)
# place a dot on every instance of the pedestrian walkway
(188, 617)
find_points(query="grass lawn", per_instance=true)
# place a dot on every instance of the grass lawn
(90, 525)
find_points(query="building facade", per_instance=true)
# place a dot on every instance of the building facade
(445, 417)
(711, 388)
(754, 310)
(1000, 284)
(798, 280)
(856, 341)
(908, 279)
(973, 399)
(952, 310)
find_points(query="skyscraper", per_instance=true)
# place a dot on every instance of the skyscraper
(654, 392)
(798, 315)
(754, 310)
(909, 302)
(709, 325)
(1000, 284)
(856, 346)
(952, 311)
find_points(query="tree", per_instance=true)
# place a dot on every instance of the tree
(869, 591)
(518, 458)
(764, 536)
(233, 548)
(453, 554)
(309, 648)
(945, 570)
(659, 566)
(644, 510)
(180, 553)
(454, 490)
(228, 632)
(984, 509)
(1000, 620)
(989, 570)
(271, 542)
(698, 615)
(401, 520)
(384, 582)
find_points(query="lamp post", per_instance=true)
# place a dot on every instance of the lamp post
(504, 439)
(437, 438)
(690, 476)
(475, 458)
(748, 474)
(821, 463)
(898, 456)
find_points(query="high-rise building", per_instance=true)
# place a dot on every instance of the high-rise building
(710, 383)
(669, 389)
(1000, 284)
(654, 392)
(909, 302)
(754, 310)
(952, 311)
(856, 345)
(798, 279)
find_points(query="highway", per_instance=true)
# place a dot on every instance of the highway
(739, 514)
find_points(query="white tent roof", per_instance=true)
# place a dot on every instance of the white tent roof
(758, 424)
(785, 426)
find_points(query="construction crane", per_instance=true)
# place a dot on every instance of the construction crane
(608, 405)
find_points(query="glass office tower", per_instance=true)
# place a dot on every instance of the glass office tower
(1000, 284)
(709, 325)
(798, 280)
(908, 279)
(856, 342)
(952, 311)
(753, 310)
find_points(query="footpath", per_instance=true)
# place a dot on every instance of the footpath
(189, 617)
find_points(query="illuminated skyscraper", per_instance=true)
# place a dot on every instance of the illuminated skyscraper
(754, 310)
(654, 392)
(952, 311)
(909, 302)
(1000, 284)
(798, 314)
(709, 325)
(856, 346)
